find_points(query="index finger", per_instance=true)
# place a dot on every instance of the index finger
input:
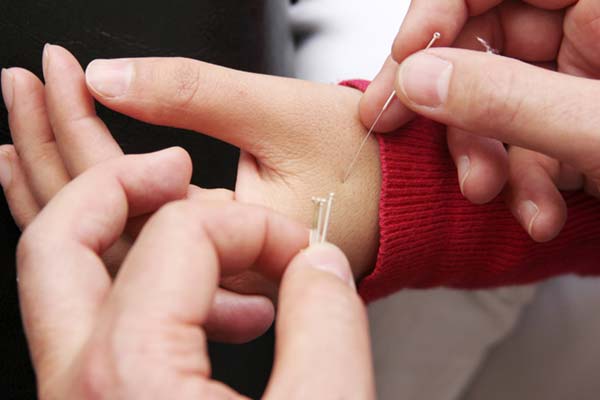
(505, 99)
(424, 18)
(187, 245)
(62, 280)
(447, 17)
(251, 111)
(82, 138)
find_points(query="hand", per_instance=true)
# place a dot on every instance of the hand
(57, 136)
(299, 137)
(523, 105)
(556, 34)
(142, 335)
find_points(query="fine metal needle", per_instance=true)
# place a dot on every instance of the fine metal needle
(434, 39)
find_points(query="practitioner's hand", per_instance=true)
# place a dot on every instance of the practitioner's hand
(142, 335)
(57, 136)
(556, 34)
(297, 138)
(527, 106)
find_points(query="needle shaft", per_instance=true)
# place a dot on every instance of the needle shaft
(434, 39)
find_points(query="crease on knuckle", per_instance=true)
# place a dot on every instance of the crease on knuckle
(499, 102)
(176, 212)
(186, 78)
(186, 216)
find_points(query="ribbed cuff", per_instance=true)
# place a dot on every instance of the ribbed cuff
(431, 236)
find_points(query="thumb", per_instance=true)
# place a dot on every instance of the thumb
(506, 99)
(251, 111)
(320, 319)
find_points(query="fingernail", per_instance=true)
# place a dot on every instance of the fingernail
(45, 58)
(328, 258)
(464, 169)
(5, 170)
(424, 79)
(110, 78)
(7, 88)
(528, 212)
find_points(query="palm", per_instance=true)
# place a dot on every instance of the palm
(581, 34)
(545, 35)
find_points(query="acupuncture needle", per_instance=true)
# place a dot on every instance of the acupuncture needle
(321, 217)
(434, 39)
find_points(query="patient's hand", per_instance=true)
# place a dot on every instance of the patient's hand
(297, 137)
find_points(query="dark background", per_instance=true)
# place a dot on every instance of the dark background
(250, 35)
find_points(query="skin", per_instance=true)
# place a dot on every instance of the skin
(565, 131)
(296, 139)
(94, 337)
(559, 35)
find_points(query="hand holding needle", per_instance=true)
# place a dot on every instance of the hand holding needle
(434, 39)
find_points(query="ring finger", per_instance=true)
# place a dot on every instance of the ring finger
(32, 135)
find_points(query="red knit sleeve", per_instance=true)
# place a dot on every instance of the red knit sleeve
(430, 235)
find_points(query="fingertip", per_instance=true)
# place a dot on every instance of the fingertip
(173, 167)
(542, 218)
(391, 120)
(533, 196)
(7, 88)
(484, 181)
(179, 155)
(318, 317)
(24, 80)
(324, 257)
(27, 94)
(548, 222)
(56, 58)
(236, 318)
(148, 180)
(375, 97)
(482, 165)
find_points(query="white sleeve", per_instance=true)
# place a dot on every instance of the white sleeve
(344, 39)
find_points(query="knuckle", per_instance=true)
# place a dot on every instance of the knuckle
(495, 100)
(182, 214)
(186, 82)
(174, 211)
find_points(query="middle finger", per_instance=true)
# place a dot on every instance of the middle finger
(83, 139)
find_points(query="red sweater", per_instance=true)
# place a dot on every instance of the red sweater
(430, 235)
